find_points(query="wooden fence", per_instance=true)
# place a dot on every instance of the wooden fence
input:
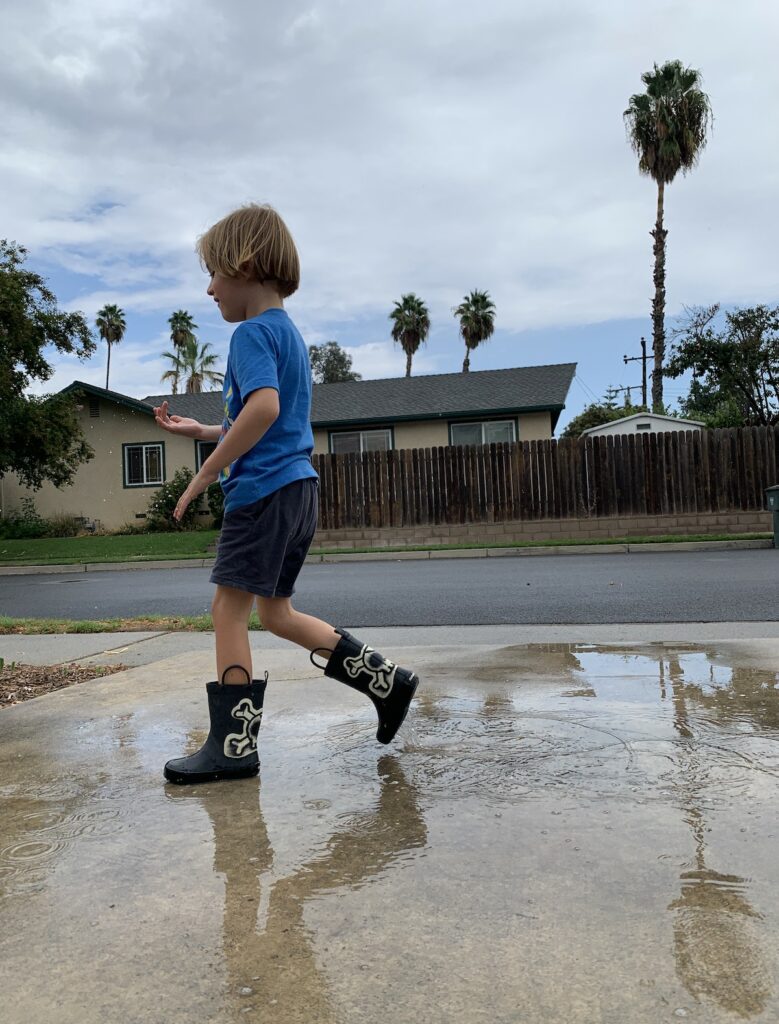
(624, 475)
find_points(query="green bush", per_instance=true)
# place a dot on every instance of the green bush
(163, 502)
(24, 523)
(131, 529)
(63, 524)
(216, 504)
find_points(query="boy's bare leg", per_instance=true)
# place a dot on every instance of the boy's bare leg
(231, 609)
(277, 615)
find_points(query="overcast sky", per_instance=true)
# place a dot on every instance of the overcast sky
(427, 146)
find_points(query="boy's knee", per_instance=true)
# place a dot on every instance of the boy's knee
(276, 619)
(230, 603)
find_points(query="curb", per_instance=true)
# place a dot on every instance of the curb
(402, 556)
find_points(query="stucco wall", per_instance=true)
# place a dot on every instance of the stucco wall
(98, 491)
(533, 426)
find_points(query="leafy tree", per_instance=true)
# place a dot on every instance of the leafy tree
(193, 363)
(668, 128)
(40, 438)
(713, 406)
(110, 323)
(410, 325)
(598, 413)
(477, 322)
(736, 365)
(330, 364)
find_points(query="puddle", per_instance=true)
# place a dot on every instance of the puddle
(562, 833)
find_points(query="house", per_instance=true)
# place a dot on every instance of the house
(133, 456)
(643, 423)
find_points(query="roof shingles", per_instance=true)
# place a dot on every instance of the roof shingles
(429, 396)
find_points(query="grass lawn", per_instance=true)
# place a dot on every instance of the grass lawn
(195, 544)
(147, 624)
(132, 548)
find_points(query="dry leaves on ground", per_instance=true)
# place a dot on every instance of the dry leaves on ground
(22, 682)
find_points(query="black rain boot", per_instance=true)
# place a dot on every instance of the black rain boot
(230, 752)
(388, 686)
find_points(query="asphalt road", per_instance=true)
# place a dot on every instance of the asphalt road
(705, 586)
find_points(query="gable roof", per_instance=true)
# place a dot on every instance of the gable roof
(434, 396)
(109, 396)
(644, 416)
(426, 397)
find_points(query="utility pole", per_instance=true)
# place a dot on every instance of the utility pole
(627, 391)
(635, 359)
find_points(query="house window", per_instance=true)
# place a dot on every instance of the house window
(361, 441)
(94, 407)
(202, 450)
(643, 426)
(144, 464)
(486, 432)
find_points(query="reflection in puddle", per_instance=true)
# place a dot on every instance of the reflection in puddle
(269, 950)
(595, 828)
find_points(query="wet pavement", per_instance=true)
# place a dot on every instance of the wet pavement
(562, 833)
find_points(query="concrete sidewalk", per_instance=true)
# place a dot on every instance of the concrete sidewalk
(144, 648)
(561, 832)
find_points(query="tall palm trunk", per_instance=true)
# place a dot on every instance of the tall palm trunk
(108, 366)
(658, 304)
(408, 363)
(467, 361)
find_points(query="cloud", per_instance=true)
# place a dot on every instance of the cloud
(428, 147)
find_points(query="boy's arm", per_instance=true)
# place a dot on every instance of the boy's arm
(184, 426)
(209, 433)
(258, 415)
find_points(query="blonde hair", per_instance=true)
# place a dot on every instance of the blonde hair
(252, 238)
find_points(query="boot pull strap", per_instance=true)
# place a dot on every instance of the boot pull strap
(248, 677)
(316, 650)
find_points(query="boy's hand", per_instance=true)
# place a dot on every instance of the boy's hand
(182, 425)
(200, 483)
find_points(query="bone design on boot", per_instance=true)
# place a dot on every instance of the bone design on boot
(382, 672)
(239, 744)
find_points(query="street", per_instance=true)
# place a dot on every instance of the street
(669, 587)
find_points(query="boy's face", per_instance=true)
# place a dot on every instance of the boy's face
(232, 295)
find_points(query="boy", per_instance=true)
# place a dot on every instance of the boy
(271, 492)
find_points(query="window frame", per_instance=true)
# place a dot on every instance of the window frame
(482, 423)
(144, 445)
(199, 460)
(361, 431)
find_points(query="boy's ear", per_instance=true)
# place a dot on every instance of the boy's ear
(246, 270)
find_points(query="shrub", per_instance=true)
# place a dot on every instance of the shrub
(163, 502)
(131, 529)
(24, 523)
(216, 504)
(63, 524)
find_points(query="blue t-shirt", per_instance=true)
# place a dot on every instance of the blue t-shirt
(268, 352)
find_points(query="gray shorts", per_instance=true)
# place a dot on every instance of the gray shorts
(262, 546)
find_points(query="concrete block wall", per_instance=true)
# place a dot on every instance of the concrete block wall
(584, 530)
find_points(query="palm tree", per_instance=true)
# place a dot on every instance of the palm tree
(668, 128)
(195, 363)
(477, 322)
(410, 325)
(110, 323)
(182, 328)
